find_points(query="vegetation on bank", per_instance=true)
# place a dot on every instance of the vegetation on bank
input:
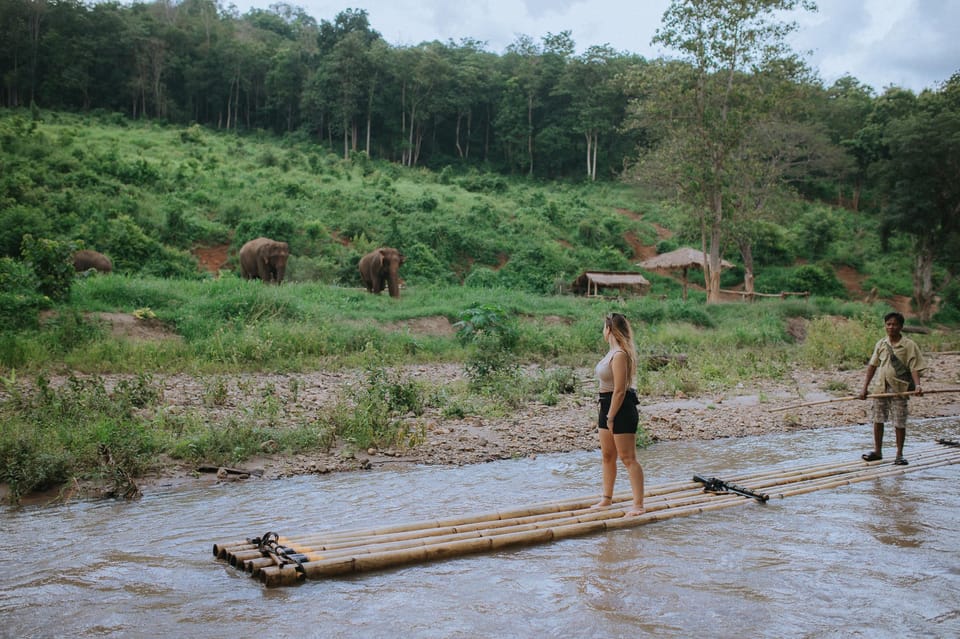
(515, 348)
(493, 255)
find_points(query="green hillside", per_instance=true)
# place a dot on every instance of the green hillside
(489, 264)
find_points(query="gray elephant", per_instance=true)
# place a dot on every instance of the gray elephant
(382, 267)
(264, 259)
(86, 259)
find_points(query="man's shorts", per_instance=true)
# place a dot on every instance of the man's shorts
(890, 409)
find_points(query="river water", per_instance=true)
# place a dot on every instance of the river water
(879, 558)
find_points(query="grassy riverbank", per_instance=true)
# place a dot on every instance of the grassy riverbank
(84, 399)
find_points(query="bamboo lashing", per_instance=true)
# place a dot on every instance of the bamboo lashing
(287, 560)
(871, 396)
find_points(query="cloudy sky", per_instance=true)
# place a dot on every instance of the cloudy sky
(907, 43)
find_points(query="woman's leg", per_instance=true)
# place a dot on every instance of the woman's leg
(626, 445)
(608, 462)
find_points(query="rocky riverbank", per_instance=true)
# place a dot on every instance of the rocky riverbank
(764, 407)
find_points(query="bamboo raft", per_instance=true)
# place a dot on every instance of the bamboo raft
(277, 560)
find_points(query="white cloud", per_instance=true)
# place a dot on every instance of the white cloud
(909, 43)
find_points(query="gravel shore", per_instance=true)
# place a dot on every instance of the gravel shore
(569, 425)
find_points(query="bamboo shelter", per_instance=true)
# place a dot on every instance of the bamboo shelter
(591, 283)
(277, 560)
(683, 258)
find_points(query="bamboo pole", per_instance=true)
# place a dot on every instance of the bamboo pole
(316, 545)
(252, 560)
(426, 541)
(288, 575)
(370, 546)
(871, 396)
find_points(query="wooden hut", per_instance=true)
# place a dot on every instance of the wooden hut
(591, 283)
(682, 259)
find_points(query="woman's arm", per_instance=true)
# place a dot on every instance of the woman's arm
(618, 364)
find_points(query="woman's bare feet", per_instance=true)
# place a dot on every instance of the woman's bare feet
(603, 503)
(636, 511)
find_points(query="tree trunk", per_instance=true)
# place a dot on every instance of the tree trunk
(923, 278)
(530, 132)
(369, 124)
(413, 125)
(593, 159)
(486, 135)
(457, 135)
(589, 141)
(712, 273)
(746, 252)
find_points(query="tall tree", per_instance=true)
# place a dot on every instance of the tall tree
(921, 179)
(516, 112)
(714, 104)
(597, 101)
(847, 106)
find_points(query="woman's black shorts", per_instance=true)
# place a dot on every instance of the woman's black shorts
(627, 418)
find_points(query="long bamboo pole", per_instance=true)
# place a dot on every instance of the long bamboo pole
(783, 477)
(240, 552)
(391, 546)
(871, 396)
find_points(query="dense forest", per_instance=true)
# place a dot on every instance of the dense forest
(733, 129)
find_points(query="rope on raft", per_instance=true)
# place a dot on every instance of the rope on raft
(269, 546)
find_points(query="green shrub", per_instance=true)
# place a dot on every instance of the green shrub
(52, 262)
(771, 245)
(492, 335)
(842, 344)
(373, 416)
(17, 220)
(665, 246)
(482, 277)
(20, 296)
(815, 232)
(816, 280)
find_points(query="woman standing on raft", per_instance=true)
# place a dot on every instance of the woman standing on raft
(618, 417)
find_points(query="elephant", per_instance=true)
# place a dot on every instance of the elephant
(264, 259)
(86, 259)
(381, 267)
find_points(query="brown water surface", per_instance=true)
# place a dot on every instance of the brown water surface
(879, 558)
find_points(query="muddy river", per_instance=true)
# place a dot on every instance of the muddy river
(879, 558)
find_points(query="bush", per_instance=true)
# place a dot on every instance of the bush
(482, 277)
(20, 296)
(52, 262)
(843, 344)
(771, 246)
(815, 232)
(493, 337)
(817, 280)
(537, 269)
(17, 221)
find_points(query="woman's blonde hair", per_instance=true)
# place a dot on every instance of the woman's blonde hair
(619, 327)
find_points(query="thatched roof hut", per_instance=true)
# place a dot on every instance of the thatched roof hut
(592, 282)
(683, 258)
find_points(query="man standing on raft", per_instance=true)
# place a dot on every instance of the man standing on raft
(899, 361)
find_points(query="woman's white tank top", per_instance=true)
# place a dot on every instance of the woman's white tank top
(604, 371)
